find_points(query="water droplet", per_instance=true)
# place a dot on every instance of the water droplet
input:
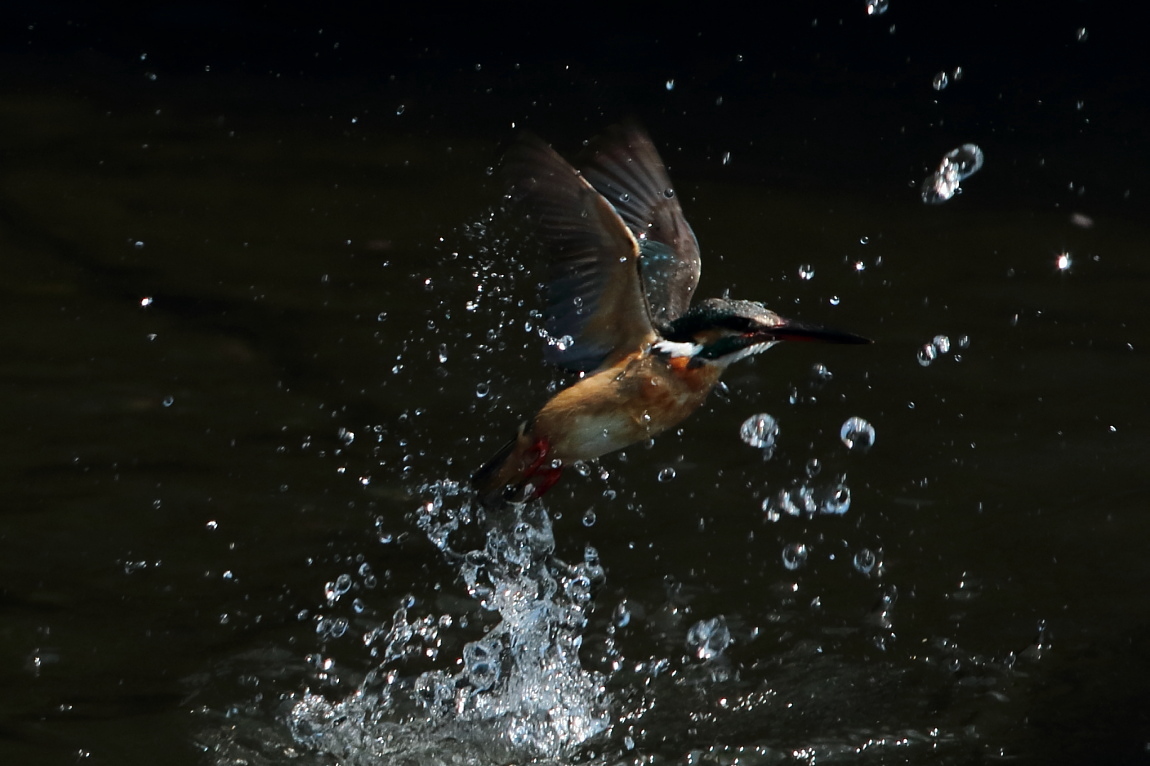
(940, 81)
(481, 663)
(168, 401)
(1081, 34)
(813, 467)
(671, 84)
(622, 614)
(589, 517)
(708, 639)
(726, 158)
(857, 433)
(805, 497)
(822, 374)
(399, 110)
(769, 509)
(794, 556)
(806, 272)
(759, 431)
(146, 301)
(958, 165)
(667, 474)
(838, 501)
(1063, 262)
(834, 300)
(482, 389)
(927, 354)
(877, 7)
(963, 341)
(865, 560)
(578, 589)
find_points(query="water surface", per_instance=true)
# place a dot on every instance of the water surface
(258, 328)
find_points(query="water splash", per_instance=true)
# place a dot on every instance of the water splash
(443, 691)
(517, 692)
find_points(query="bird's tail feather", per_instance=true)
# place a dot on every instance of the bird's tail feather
(518, 472)
(487, 482)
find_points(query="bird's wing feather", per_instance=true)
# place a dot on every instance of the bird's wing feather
(625, 168)
(596, 310)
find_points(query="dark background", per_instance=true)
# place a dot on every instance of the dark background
(307, 196)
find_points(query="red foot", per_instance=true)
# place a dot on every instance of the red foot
(542, 477)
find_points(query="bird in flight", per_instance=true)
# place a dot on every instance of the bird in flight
(624, 265)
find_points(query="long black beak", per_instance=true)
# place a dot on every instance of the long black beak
(794, 330)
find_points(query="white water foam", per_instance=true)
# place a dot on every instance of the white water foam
(519, 691)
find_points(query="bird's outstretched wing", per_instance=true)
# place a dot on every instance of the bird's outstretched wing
(596, 310)
(625, 168)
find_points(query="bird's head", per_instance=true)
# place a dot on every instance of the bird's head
(722, 331)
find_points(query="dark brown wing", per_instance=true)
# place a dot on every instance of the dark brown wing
(596, 311)
(625, 168)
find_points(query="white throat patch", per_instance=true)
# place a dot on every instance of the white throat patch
(674, 349)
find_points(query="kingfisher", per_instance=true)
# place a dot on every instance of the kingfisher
(624, 265)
